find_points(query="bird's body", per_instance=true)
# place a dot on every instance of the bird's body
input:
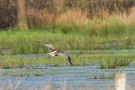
(55, 52)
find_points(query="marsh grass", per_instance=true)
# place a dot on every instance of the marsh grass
(108, 76)
(13, 42)
(115, 61)
(103, 76)
(105, 61)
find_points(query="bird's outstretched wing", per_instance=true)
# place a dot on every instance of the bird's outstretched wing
(50, 46)
(61, 53)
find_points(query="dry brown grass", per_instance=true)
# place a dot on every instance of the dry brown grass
(80, 13)
(72, 16)
(39, 18)
(131, 16)
(42, 18)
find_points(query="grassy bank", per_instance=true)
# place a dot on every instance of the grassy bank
(24, 42)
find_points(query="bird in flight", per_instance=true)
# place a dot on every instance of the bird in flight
(55, 52)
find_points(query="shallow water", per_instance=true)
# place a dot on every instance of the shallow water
(67, 76)
(72, 76)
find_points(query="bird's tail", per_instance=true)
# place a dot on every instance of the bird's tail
(69, 59)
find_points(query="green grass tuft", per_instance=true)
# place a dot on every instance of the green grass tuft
(115, 61)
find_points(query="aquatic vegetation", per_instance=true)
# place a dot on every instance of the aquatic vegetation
(70, 74)
(38, 74)
(103, 75)
(106, 76)
(102, 60)
(115, 61)
(95, 76)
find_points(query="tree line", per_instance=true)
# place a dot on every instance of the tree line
(26, 13)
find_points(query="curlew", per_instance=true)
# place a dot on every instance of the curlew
(55, 52)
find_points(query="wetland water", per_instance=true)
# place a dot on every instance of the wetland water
(86, 77)
(74, 76)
